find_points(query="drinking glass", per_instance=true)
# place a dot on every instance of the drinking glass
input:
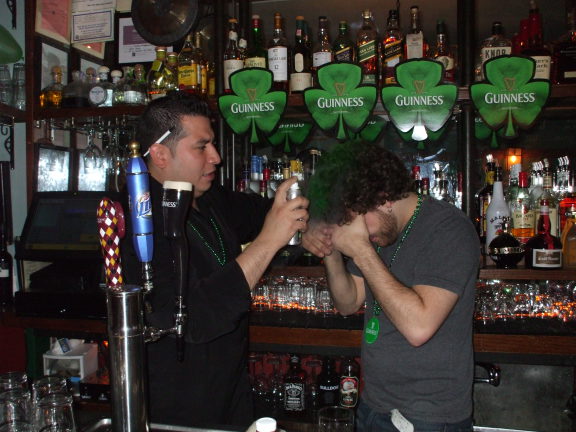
(6, 91)
(19, 86)
(15, 406)
(51, 384)
(11, 380)
(335, 419)
(16, 426)
(54, 414)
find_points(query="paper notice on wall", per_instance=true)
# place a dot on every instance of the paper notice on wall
(93, 20)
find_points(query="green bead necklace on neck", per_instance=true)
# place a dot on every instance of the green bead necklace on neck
(405, 232)
(219, 255)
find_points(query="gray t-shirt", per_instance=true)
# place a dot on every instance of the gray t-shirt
(432, 382)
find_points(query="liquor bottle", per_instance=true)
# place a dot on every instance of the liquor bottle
(566, 208)
(513, 182)
(312, 390)
(543, 251)
(170, 74)
(425, 186)
(140, 84)
(322, 53)
(128, 91)
(393, 48)
(548, 195)
(301, 74)
(5, 271)
(187, 67)
(416, 178)
(343, 48)
(483, 197)
(74, 93)
(564, 53)
(435, 190)
(523, 220)
(232, 56)
(328, 383)
(116, 75)
(278, 55)
(495, 45)
(445, 194)
(349, 387)
(256, 55)
(443, 53)
(535, 187)
(569, 243)
(367, 45)
(201, 66)
(101, 93)
(295, 388)
(415, 44)
(155, 80)
(536, 48)
(497, 211)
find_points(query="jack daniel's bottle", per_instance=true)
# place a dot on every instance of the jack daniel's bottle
(295, 388)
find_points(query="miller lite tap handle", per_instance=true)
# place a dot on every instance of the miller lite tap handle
(140, 212)
(176, 201)
(111, 228)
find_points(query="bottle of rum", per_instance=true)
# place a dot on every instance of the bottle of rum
(543, 251)
(295, 388)
(343, 48)
(367, 44)
(416, 45)
(393, 48)
(232, 56)
(187, 67)
(349, 387)
(536, 48)
(278, 55)
(256, 55)
(443, 53)
(5, 271)
(497, 212)
(322, 53)
(565, 53)
(495, 45)
(523, 220)
(51, 96)
(300, 75)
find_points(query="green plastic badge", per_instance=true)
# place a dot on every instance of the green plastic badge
(420, 102)
(371, 331)
(510, 97)
(342, 103)
(290, 131)
(253, 106)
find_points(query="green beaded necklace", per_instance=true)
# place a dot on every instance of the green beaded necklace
(220, 257)
(376, 307)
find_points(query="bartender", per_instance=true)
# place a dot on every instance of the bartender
(211, 385)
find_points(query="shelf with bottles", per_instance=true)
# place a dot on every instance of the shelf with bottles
(9, 112)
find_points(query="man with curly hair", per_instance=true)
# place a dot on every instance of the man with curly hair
(413, 261)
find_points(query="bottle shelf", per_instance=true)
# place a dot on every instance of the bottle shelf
(117, 111)
(7, 111)
(491, 272)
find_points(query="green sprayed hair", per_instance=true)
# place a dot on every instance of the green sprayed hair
(355, 177)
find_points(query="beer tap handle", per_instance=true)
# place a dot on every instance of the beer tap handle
(176, 201)
(140, 212)
(111, 228)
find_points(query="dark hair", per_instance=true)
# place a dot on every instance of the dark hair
(357, 177)
(165, 114)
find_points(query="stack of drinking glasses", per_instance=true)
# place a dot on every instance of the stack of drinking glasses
(47, 407)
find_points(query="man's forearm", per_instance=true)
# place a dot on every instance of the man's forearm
(347, 299)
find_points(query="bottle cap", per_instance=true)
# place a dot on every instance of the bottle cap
(265, 424)
(103, 69)
(116, 73)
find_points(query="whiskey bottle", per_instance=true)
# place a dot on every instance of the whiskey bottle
(393, 48)
(301, 75)
(522, 212)
(343, 48)
(367, 44)
(565, 53)
(232, 56)
(443, 53)
(549, 196)
(415, 43)
(295, 388)
(569, 243)
(51, 96)
(495, 45)
(187, 67)
(322, 53)
(278, 55)
(536, 48)
(349, 386)
(256, 55)
(543, 251)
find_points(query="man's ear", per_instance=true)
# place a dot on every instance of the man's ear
(159, 155)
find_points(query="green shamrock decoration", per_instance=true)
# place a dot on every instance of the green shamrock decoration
(342, 102)
(482, 132)
(432, 136)
(252, 106)
(419, 99)
(372, 130)
(290, 131)
(510, 97)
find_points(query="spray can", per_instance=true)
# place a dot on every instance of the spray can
(292, 193)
